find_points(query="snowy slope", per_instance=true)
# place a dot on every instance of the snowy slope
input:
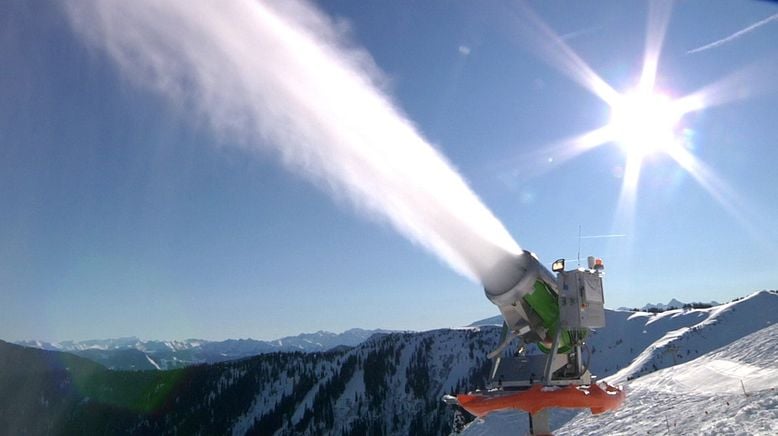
(715, 328)
(732, 390)
(393, 384)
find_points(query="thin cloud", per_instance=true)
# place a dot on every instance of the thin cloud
(464, 50)
(735, 35)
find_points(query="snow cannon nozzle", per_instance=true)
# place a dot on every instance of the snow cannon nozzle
(513, 277)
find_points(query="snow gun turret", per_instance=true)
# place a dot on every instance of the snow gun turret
(555, 311)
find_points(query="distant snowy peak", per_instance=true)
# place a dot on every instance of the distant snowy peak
(125, 343)
(673, 304)
(318, 341)
(323, 340)
(677, 304)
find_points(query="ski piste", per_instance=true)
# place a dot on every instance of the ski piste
(555, 311)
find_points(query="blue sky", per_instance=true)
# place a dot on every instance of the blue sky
(124, 213)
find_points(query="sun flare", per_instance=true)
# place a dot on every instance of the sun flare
(644, 122)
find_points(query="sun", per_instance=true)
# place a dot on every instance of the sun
(644, 122)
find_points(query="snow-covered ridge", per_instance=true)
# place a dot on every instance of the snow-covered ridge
(712, 328)
(392, 382)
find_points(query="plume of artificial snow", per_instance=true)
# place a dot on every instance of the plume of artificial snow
(280, 77)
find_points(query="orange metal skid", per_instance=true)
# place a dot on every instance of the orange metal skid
(537, 398)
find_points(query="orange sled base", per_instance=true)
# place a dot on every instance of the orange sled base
(539, 397)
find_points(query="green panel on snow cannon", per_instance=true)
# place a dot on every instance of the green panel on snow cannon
(544, 302)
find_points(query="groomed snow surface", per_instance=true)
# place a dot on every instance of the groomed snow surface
(731, 388)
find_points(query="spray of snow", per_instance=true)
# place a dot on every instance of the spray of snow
(280, 76)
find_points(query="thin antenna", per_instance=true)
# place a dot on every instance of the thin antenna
(579, 245)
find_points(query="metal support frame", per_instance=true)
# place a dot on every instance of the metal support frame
(551, 356)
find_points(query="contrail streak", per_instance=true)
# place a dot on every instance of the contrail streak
(280, 77)
(614, 235)
(735, 35)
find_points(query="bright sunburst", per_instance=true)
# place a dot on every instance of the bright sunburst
(643, 122)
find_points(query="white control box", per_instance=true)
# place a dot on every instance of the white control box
(581, 301)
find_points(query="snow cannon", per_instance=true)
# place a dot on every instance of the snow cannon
(523, 291)
(554, 310)
(537, 306)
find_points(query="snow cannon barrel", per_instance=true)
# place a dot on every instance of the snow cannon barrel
(514, 277)
(526, 294)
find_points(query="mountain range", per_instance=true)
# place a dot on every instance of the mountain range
(131, 353)
(683, 371)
